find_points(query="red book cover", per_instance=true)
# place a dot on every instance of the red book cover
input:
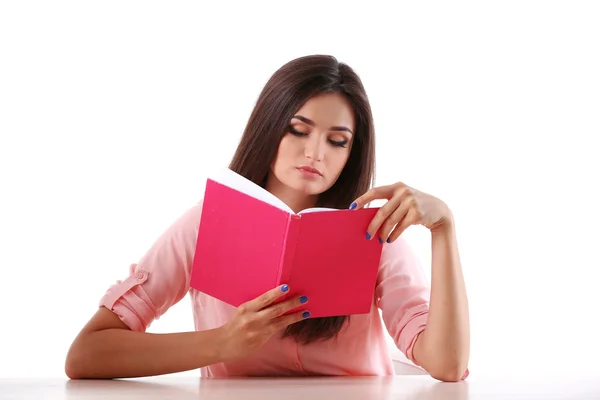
(249, 242)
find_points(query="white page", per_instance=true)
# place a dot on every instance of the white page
(235, 181)
(317, 209)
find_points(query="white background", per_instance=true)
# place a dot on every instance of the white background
(111, 114)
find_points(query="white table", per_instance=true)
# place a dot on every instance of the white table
(363, 388)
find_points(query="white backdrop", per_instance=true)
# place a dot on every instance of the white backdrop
(111, 113)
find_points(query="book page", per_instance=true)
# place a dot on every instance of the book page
(317, 209)
(235, 181)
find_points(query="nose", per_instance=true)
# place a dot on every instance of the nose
(314, 148)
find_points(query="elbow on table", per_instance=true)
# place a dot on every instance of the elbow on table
(78, 362)
(447, 376)
(72, 370)
(73, 366)
(449, 372)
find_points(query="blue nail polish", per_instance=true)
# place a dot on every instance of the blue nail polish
(388, 240)
(305, 314)
(368, 236)
(380, 241)
(303, 299)
(284, 288)
(353, 206)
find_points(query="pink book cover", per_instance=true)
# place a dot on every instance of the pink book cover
(250, 242)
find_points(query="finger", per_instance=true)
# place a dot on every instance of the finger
(412, 218)
(265, 299)
(276, 310)
(397, 216)
(380, 192)
(286, 320)
(381, 215)
(385, 212)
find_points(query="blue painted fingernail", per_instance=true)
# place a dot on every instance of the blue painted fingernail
(368, 236)
(284, 288)
(303, 299)
(305, 314)
(388, 240)
(353, 206)
(380, 241)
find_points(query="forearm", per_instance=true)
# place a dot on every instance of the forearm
(443, 347)
(121, 353)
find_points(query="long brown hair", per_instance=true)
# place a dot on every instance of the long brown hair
(285, 92)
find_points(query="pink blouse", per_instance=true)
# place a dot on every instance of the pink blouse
(161, 278)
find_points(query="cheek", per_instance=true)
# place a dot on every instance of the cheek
(285, 150)
(339, 161)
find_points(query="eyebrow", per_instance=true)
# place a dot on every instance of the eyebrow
(312, 123)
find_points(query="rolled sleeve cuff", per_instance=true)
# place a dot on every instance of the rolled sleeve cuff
(409, 335)
(128, 300)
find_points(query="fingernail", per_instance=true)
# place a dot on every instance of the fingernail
(380, 241)
(303, 299)
(284, 288)
(353, 206)
(305, 314)
(388, 240)
(368, 236)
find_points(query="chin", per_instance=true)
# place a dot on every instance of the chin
(305, 186)
(309, 189)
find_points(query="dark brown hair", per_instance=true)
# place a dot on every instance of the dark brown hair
(285, 92)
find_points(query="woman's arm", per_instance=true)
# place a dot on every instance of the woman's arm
(443, 347)
(114, 343)
(107, 348)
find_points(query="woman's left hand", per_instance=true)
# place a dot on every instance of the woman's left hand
(405, 207)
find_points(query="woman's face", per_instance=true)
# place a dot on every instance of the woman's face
(316, 146)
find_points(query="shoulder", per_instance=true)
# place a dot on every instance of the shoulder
(400, 261)
(399, 250)
(183, 229)
(190, 218)
(193, 213)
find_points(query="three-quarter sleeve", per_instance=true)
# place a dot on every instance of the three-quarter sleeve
(160, 278)
(403, 295)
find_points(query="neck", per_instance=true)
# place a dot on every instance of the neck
(295, 200)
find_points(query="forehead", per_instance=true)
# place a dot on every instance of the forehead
(328, 109)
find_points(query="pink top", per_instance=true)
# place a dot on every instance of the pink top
(161, 278)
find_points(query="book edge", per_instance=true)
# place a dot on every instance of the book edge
(235, 181)
(289, 247)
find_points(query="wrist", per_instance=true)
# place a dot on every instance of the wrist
(445, 225)
(210, 346)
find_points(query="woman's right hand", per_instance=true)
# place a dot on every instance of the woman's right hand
(255, 321)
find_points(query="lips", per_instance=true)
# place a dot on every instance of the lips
(311, 170)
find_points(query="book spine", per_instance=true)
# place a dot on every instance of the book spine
(289, 247)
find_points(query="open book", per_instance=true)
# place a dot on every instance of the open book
(249, 242)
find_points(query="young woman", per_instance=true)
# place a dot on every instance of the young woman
(310, 142)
